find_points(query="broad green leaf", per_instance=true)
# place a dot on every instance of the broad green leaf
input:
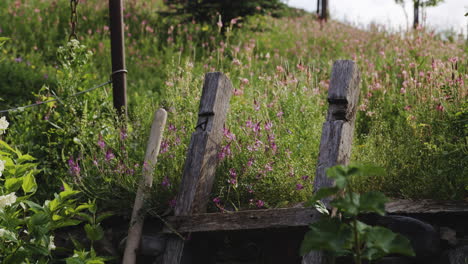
(34, 206)
(95, 261)
(74, 260)
(362, 227)
(372, 202)
(54, 204)
(25, 157)
(92, 208)
(382, 241)
(67, 222)
(103, 216)
(13, 184)
(29, 183)
(82, 207)
(348, 204)
(87, 217)
(5, 145)
(40, 219)
(94, 233)
(41, 250)
(328, 234)
(56, 217)
(67, 193)
(339, 174)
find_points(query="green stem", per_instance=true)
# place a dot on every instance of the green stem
(357, 243)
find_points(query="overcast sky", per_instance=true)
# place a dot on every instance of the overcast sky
(449, 14)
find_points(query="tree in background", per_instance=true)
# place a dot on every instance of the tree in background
(322, 9)
(416, 8)
(207, 10)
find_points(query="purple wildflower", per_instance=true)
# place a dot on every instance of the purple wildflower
(164, 147)
(268, 125)
(268, 167)
(109, 155)
(257, 127)
(217, 200)
(19, 59)
(305, 177)
(299, 186)
(228, 134)
(165, 182)
(101, 142)
(123, 134)
(233, 173)
(171, 127)
(260, 203)
(225, 152)
(74, 167)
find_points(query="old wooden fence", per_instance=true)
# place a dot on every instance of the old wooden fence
(200, 166)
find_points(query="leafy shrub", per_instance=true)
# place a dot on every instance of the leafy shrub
(340, 233)
(27, 227)
(206, 10)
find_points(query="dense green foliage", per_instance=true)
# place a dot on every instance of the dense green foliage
(412, 118)
(340, 233)
(209, 10)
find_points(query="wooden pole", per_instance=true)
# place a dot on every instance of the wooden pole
(119, 77)
(324, 15)
(138, 214)
(416, 14)
(337, 132)
(318, 8)
(202, 157)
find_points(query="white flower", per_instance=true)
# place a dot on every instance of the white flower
(2, 166)
(3, 125)
(6, 233)
(51, 243)
(7, 200)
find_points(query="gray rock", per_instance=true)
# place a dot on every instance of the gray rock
(448, 235)
(423, 236)
(458, 255)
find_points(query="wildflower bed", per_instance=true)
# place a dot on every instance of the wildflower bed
(411, 118)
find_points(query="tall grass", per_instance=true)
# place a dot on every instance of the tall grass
(412, 118)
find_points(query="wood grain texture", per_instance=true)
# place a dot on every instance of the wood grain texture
(337, 131)
(243, 220)
(202, 156)
(293, 217)
(151, 156)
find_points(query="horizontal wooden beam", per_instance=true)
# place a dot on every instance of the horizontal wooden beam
(293, 217)
(243, 220)
(401, 206)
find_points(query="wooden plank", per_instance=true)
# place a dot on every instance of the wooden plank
(202, 158)
(138, 215)
(243, 220)
(337, 131)
(401, 206)
(294, 217)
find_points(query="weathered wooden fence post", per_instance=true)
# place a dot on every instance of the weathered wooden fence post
(138, 215)
(202, 156)
(337, 131)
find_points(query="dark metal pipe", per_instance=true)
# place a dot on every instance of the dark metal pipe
(119, 73)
